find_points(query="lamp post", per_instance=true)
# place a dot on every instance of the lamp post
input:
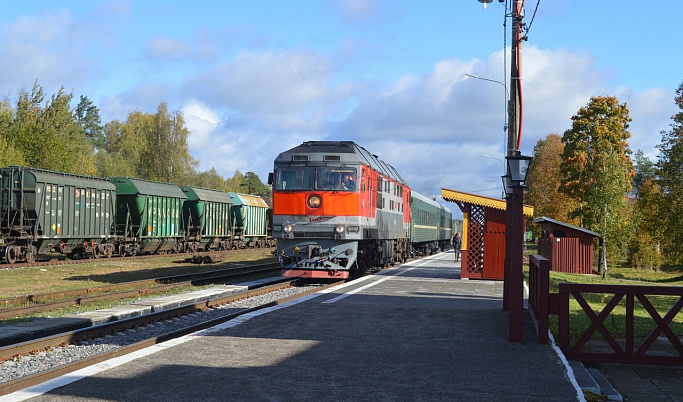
(507, 98)
(513, 286)
(507, 92)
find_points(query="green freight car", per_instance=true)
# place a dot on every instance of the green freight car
(149, 216)
(250, 214)
(43, 210)
(208, 219)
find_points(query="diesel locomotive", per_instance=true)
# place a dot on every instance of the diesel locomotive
(339, 211)
(84, 216)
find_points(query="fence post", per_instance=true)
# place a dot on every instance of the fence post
(543, 296)
(539, 283)
(564, 318)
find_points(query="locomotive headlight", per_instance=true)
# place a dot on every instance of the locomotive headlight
(314, 201)
(287, 227)
(339, 229)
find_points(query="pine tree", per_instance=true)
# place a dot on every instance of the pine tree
(87, 117)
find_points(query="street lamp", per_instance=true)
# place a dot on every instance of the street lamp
(485, 2)
(490, 80)
(507, 187)
(518, 166)
(507, 94)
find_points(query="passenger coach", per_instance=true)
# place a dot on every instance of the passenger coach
(431, 225)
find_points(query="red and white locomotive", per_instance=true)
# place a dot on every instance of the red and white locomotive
(338, 211)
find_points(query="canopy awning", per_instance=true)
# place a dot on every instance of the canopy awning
(473, 199)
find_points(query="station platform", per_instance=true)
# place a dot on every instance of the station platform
(415, 332)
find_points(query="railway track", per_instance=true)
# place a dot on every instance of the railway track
(156, 328)
(62, 260)
(37, 303)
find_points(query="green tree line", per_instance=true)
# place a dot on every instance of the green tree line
(589, 177)
(51, 134)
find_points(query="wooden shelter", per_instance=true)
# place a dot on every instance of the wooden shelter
(569, 248)
(483, 237)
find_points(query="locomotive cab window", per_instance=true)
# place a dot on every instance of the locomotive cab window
(294, 178)
(336, 178)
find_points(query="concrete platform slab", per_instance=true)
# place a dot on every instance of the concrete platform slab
(104, 316)
(40, 328)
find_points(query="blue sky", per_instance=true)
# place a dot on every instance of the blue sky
(254, 78)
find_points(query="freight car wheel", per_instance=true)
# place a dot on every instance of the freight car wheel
(31, 252)
(11, 253)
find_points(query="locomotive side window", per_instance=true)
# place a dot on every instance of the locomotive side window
(294, 178)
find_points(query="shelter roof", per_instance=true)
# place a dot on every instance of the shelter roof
(473, 199)
(543, 219)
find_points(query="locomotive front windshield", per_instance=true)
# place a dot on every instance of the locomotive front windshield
(294, 178)
(320, 178)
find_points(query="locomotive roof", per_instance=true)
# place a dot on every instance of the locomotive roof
(321, 153)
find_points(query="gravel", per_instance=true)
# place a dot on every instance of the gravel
(27, 365)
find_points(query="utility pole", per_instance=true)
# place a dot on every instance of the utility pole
(514, 232)
(513, 292)
(515, 107)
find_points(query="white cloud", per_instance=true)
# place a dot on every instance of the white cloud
(357, 11)
(201, 122)
(651, 112)
(433, 128)
(164, 49)
(41, 47)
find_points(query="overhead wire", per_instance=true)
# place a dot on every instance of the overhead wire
(532, 18)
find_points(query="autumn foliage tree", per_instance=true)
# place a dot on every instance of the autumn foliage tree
(597, 172)
(544, 179)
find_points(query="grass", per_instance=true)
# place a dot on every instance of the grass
(28, 281)
(25, 281)
(616, 321)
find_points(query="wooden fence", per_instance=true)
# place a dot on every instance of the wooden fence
(542, 304)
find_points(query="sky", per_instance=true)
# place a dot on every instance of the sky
(255, 78)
